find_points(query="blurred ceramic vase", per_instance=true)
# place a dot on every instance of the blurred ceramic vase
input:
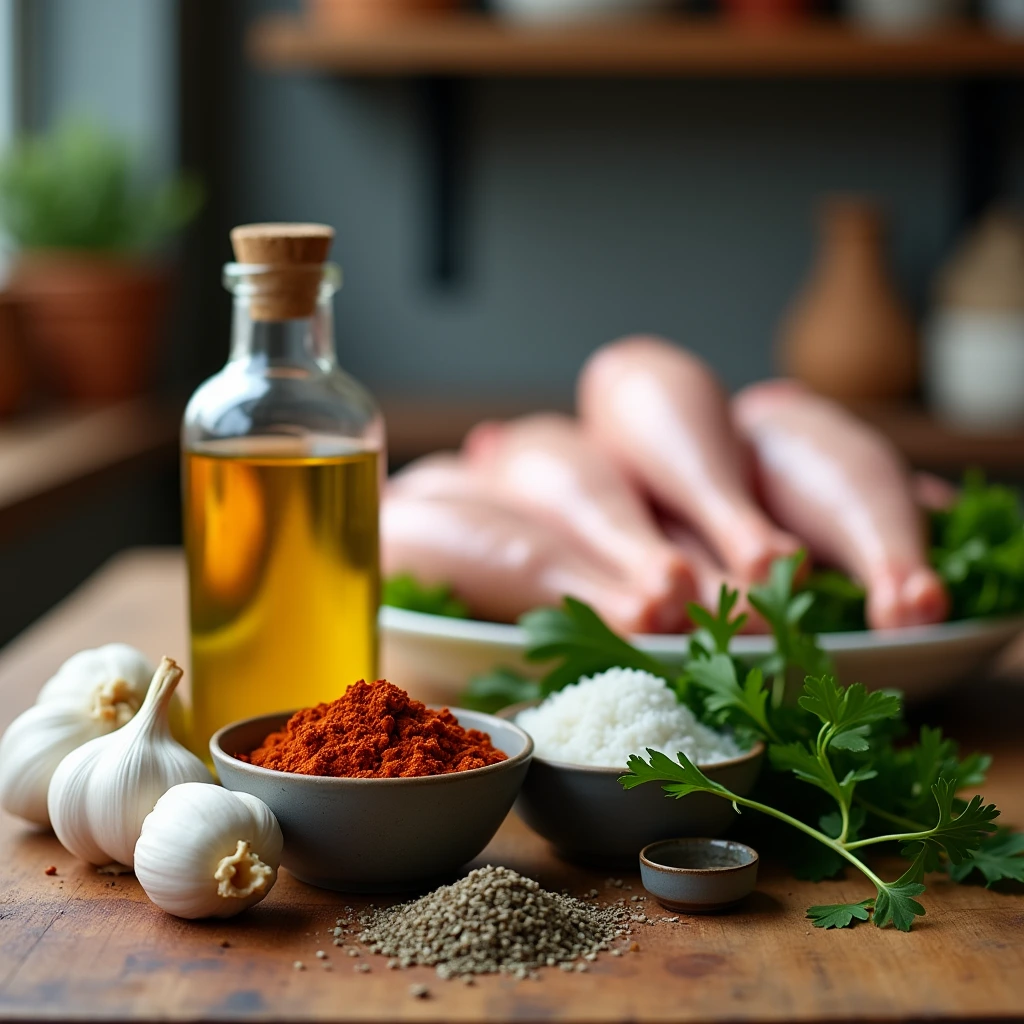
(553, 11)
(975, 365)
(849, 335)
(355, 14)
(1005, 16)
(764, 13)
(903, 15)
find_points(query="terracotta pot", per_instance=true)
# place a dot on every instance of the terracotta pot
(92, 323)
(849, 334)
(356, 14)
(765, 13)
(14, 370)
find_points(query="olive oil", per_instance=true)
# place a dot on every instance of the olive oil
(283, 577)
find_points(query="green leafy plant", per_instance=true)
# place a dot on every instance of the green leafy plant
(81, 188)
(405, 591)
(847, 716)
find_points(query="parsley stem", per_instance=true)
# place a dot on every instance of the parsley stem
(842, 849)
(901, 837)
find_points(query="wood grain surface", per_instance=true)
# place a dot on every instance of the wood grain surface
(82, 946)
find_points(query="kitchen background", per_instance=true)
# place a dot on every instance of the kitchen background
(494, 229)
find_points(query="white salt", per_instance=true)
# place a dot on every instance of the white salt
(601, 720)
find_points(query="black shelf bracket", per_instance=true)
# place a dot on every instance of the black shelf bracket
(442, 102)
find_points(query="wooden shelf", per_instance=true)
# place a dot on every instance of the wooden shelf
(47, 459)
(478, 45)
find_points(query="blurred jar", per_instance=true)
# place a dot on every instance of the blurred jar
(897, 16)
(975, 364)
(849, 335)
(356, 14)
(553, 11)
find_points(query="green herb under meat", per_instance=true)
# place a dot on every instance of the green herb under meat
(405, 591)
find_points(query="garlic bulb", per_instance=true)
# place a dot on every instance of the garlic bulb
(208, 852)
(91, 694)
(110, 682)
(101, 793)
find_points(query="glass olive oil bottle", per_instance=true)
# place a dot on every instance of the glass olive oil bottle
(283, 455)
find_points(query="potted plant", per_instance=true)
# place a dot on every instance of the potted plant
(91, 288)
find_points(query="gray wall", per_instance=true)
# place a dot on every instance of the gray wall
(592, 208)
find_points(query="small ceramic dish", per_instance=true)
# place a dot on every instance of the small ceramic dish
(379, 835)
(587, 816)
(698, 876)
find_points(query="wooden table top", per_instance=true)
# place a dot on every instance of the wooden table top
(82, 946)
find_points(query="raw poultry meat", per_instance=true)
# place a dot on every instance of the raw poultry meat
(500, 562)
(548, 467)
(843, 488)
(660, 411)
(709, 574)
(440, 475)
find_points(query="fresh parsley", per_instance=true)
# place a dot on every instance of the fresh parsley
(405, 591)
(847, 716)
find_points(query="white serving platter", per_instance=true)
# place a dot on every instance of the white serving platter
(433, 657)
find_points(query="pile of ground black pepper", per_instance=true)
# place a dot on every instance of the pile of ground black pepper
(493, 920)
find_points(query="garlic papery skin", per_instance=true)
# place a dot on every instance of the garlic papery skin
(32, 747)
(208, 852)
(110, 683)
(101, 793)
(91, 694)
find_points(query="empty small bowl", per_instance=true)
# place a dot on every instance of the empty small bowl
(379, 835)
(698, 876)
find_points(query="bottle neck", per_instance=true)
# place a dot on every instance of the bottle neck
(304, 345)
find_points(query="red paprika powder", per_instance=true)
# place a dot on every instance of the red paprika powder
(374, 732)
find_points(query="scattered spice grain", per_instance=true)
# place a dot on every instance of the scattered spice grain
(51, 870)
(493, 920)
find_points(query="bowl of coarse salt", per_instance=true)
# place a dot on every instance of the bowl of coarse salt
(584, 734)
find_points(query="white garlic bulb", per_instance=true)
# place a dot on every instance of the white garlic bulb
(208, 852)
(101, 793)
(91, 694)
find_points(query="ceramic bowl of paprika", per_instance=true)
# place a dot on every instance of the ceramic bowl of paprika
(379, 835)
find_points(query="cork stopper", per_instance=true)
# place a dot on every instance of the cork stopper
(291, 257)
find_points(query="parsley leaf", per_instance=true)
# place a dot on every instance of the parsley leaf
(999, 857)
(839, 915)
(720, 627)
(847, 709)
(405, 591)
(723, 694)
(958, 835)
(783, 610)
(839, 603)
(498, 689)
(577, 636)
(681, 777)
(895, 903)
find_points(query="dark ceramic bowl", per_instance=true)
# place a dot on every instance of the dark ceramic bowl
(587, 816)
(698, 876)
(379, 835)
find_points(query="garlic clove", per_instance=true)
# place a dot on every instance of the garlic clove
(32, 747)
(66, 802)
(208, 852)
(99, 799)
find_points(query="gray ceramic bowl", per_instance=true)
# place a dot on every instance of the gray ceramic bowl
(379, 835)
(698, 876)
(587, 815)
